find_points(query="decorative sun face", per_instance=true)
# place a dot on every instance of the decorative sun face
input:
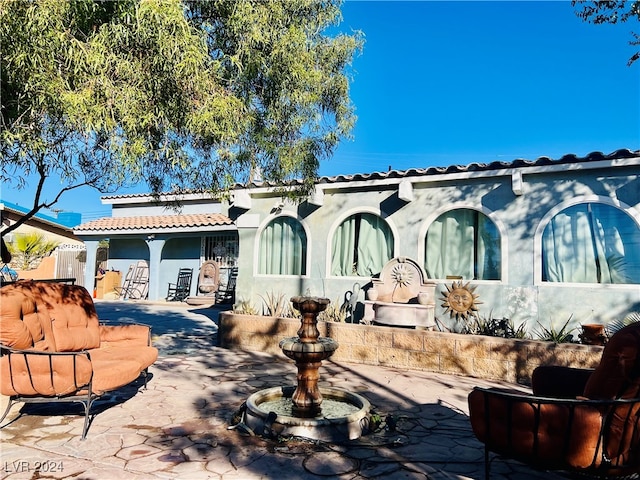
(459, 300)
(402, 275)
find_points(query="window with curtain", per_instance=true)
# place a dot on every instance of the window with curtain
(463, 243)
(283, 248)
(591, 243)
(361, 246)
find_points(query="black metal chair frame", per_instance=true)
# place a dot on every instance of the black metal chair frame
(86, 399)
(179, 291)
(601, 467)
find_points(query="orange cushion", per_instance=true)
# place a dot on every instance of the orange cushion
(32, 374)
(13, 331)
(123, 351)
(563, 440)
(618, 374)
(136, 334)
(111, 374)
(73, 316)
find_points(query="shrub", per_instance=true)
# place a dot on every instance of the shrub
(275, 305)
(616, 325)
(557, 336)
(335, 312)
(494, 327)
(245, 307)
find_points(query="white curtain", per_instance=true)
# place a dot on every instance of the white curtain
(375, 245)
(343, 248)
(283, 246)
(361, 246)
(591, 243)
(463, 243)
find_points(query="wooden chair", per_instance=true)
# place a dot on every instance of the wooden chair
(179, 291)
(579, 421)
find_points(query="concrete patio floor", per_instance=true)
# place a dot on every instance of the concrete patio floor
(178, 427)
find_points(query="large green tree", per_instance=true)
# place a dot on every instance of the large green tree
(183, 95)
(611, 11)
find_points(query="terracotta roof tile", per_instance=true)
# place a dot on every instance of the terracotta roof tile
(412, 172)
(155, 222)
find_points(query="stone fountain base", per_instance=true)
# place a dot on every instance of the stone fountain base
(335, 429)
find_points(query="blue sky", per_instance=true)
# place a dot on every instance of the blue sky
(442, 83)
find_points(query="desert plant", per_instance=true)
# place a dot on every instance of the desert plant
(551, 334)
(494, 327)
(28, 249)
(335, 312)
(275, 305)
(245, 307)
(616, 325)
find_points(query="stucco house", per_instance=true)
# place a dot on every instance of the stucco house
(64, 262)
(540, 240)
(58, 228)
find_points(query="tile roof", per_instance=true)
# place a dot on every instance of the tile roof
(154, 222)
(472, 167)
(176, 222)
(479, 167)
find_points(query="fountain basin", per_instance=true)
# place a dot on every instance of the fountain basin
(400, 314)
(325, 426)
(319, 350)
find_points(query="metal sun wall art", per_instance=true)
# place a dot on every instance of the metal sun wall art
(460, 301)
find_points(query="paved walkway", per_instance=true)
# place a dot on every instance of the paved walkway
(179, 426)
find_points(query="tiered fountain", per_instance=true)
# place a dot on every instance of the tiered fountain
(307, 410)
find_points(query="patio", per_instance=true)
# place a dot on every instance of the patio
(178, 426)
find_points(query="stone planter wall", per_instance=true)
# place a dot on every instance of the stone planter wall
(490, 358)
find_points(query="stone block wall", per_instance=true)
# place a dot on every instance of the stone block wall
(490, 358)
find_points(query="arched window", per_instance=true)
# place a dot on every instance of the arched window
(463, 243)
(591, 243)
(283, 248)
(362, 244)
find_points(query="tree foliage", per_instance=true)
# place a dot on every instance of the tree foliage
(183, 95)
(613, 11)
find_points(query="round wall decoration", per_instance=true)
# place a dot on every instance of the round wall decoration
(460, 301)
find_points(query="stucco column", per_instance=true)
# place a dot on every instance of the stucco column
(155, 255)
(90, 266)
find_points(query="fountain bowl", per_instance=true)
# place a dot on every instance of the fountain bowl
(335, 429)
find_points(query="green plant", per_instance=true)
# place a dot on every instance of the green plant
(616, 325)
(335, 312)
(564, 335)
(245, 307)
(494, 327)
(28, 249)
(275, 305)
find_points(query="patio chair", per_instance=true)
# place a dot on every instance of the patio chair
(579, 421)
(179, 291)
(136, 283)
(227, 293)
